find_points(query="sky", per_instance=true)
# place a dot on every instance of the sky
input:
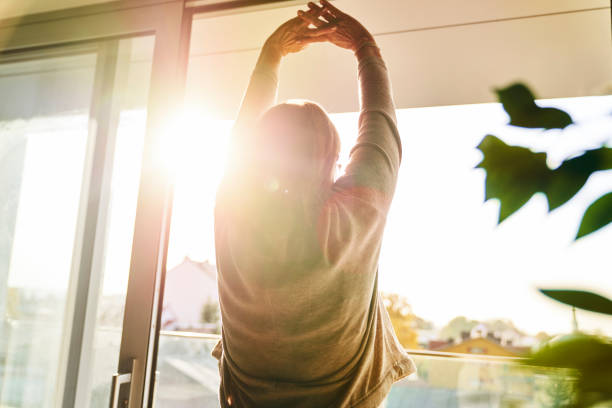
(442, 249)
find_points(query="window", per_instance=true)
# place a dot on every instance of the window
(470, 285)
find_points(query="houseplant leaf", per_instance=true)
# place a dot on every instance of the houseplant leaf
(577, 351)
(573, 173)
(519, 103)
(589, 357)
(515, 174)
(598, 215)
(581, 299)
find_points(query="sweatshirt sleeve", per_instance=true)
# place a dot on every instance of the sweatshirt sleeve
(375, 158)
(352, 221)
(259, 97)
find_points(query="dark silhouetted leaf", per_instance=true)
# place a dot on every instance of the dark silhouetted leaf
(598, 215)
(519, 103)
(589, 356)
(578, 351)
(581, 299)
(573, 173)
(515, 174)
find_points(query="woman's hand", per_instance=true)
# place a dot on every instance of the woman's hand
(348, 32)
(294, 35)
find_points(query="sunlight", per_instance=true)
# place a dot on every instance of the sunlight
(195, 142)
(196, 155)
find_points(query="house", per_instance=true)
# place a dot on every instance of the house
(189, 287)
(479, 345)
(482, 341)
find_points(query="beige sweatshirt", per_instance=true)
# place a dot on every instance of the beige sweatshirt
(311, 332)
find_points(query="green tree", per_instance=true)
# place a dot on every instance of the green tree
(456, 326)
(210, 312)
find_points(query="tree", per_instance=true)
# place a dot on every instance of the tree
(455, 327)
(402, 319)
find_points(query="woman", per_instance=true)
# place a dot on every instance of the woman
(297, 251)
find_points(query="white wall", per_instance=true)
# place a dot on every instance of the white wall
(189, 286)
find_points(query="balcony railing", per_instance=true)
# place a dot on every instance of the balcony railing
(189, 378)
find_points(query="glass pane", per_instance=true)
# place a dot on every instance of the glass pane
(131, 92)
(44, 121)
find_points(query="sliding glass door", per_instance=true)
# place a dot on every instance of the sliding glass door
(87, 98)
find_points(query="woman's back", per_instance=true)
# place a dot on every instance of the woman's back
(305, 303)
(303, 324)
(307, 332)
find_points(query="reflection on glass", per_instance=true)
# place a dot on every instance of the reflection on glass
(43, 136)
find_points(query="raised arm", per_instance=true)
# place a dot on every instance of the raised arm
(292, 36)
(261, 92)
(376, 156)
(351, 222)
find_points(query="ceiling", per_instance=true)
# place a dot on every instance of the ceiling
(438, 52)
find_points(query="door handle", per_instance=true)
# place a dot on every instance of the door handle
(117, 381)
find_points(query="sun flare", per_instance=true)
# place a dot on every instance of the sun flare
(195, 152)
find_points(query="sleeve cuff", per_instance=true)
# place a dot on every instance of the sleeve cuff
(372, 59)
